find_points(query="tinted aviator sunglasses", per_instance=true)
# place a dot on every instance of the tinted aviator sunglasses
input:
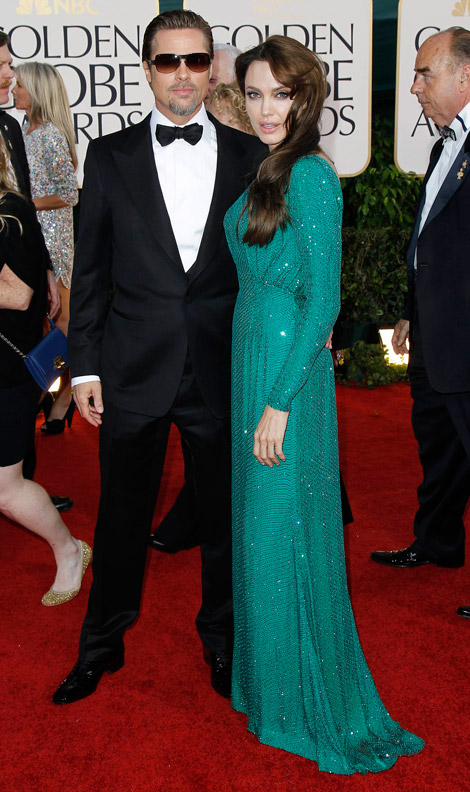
(196, 62)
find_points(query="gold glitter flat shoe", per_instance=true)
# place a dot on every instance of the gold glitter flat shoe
(52, 597)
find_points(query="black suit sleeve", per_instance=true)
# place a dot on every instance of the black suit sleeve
(91, 272)
(11, 133)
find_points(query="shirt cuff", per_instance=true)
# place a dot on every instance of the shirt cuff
(89, 378)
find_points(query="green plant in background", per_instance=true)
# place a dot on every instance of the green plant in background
(373, 278)
(381, 196)
(366, 365)
(379, 209)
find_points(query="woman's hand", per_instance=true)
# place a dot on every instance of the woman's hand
(269, 437)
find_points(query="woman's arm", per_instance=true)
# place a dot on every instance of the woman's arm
(49, 202)
(315, 207)
(61, 174)
(15, 294)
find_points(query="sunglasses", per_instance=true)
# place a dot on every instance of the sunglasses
(167, 63)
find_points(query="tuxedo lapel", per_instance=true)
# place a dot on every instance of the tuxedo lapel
(214, 223)
(453, 181)
(230, 181)
(136, 164)
(415, 232)
(13, 139)
(434, 158)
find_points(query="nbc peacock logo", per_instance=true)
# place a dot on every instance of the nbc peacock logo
(28, 6)
(270, 6)
(45, 7)
(461, 8)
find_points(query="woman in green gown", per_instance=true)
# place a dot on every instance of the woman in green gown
(299, 672)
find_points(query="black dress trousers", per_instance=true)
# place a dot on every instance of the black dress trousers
(440, 427)
(132, 453)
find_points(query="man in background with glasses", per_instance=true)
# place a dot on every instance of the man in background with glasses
(154, 198)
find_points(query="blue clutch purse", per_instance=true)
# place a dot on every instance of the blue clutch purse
(48, 359)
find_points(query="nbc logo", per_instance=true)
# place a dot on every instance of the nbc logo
(461, 7)
(45, 7)
(26, 7)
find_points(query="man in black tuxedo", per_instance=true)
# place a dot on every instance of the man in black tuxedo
(11, 133)
(153, 202)
(9, 127)
(438, 320)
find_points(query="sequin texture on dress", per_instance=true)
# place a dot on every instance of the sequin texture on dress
(299, 672)
(51, 171)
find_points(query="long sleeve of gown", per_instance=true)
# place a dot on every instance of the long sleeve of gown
(315, 207)
(58, 163)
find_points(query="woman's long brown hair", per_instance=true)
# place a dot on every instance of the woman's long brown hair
(6, 185)
(300, 70)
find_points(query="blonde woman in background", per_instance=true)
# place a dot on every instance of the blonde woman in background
(49, 140)
(227, 104)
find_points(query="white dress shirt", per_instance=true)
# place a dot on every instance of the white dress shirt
(187, 176)
(450, 149)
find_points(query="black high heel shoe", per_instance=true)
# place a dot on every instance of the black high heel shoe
(57, 425)
(45, 405)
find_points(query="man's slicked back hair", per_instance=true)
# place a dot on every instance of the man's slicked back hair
(176, 20)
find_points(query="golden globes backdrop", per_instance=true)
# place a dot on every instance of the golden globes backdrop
(418, 19)
(340, 33)
(96, 45)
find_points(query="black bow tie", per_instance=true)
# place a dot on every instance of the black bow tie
(447, 132)
(167, 134)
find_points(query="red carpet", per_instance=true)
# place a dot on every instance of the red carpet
(157, 725)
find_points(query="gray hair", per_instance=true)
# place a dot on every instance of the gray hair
(459, 45)
(232, 53)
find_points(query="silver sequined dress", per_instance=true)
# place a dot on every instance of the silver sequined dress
(299, 672)
(51, 171)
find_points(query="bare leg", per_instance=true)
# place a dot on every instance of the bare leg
(64, 397)
(29, 504)
(62, 319)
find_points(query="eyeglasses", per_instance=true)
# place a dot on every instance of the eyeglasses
(167, 63)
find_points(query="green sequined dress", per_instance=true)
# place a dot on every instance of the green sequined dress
(299, 672)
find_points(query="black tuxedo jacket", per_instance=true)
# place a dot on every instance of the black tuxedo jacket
(12, 135)
(138, 347)
(440, 289)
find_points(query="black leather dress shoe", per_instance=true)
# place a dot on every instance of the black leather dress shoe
(408, 558)
(62, 504)
(84, 678)
(464, 611)
(221, 671)
(164, 547)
